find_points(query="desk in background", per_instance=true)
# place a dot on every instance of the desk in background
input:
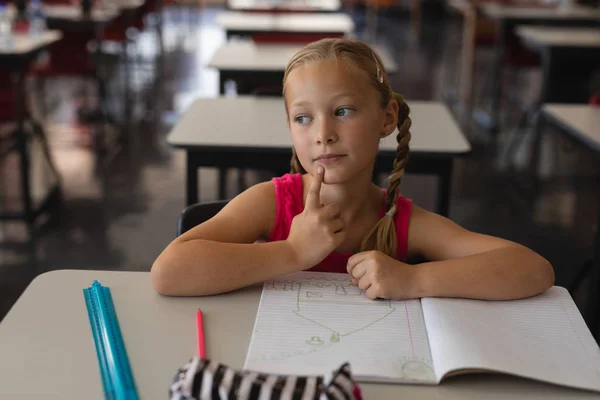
(506, 19)
(251, 132)
(581, 123)
(48, 350)
(17, 59)
(285, 5)
(570, 56)
(247, 24)
(253, 65)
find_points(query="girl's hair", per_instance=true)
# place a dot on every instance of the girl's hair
(357, 54)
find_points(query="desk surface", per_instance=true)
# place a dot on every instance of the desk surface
(24, 44)
(260, 57)
(287, 22)
(308, 5)
(585, 38)
(580, 120)
(47, 349)
(574, 13)
(261, 123)
(74, 13)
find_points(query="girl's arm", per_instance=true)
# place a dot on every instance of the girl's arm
(471, 265)
(219, 255)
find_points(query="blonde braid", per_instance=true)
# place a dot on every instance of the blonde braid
(295, 166)
(383, 235)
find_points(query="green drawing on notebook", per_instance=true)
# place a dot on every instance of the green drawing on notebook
(414, 369)
(311, 295)
(315, 341)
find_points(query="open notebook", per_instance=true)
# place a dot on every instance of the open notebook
(310, 323)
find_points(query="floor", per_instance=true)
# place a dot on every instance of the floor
(120, 208)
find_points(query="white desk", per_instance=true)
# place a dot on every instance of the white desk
(257, 136)
(243, 23)
(47, 349)
(74, 14)
(570, 58)
(248, 63)
(582, 122)
(249, 56)
(23, 45)
(574, 13)
(508, 17)
(545, 36)
(285, 5)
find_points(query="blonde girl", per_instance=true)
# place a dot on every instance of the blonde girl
(327, 215)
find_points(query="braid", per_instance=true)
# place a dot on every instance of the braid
(296, 167)
(403, 138)
(383, 236)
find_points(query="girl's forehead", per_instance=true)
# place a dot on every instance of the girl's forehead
(329, 74)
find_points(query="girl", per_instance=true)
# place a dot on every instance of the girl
(329, 216)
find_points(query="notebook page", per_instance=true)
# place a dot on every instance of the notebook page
(312, 322)
(543, 337)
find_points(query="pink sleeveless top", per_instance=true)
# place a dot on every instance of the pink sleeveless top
(288, 191)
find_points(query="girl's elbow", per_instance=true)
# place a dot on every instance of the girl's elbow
(162, 278)
(546, 277)
(550, 277)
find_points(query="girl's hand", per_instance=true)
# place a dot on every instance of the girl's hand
(381, 276)
(318, 230)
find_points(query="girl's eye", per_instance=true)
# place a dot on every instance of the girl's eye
(302, 119)
(344, 112)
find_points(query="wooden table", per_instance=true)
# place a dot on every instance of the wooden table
(17, 58)
(506, 19)
(285, 5)
(258, 138)
(246, 24)
(47, 349)
(251, 64)
(581, 122)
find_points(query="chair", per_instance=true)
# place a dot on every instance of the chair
(198, 213)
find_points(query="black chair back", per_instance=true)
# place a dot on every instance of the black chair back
(198, 213)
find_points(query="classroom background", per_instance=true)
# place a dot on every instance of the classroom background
(93, 178)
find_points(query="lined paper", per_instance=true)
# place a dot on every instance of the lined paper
(542, 337)
(311, 323)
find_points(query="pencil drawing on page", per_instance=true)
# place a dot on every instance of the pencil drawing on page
(329, 315)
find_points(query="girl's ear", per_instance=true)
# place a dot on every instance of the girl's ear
(390, 118)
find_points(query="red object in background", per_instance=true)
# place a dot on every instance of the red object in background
(67, 57)
(595, 100)
(8, 108)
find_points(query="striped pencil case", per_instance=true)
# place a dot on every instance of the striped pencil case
(202, 379)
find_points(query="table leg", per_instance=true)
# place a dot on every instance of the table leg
(444, 187)
(593, 306)
(491, 121)
(222, 183)
(22, 148)
(127, 85)
(467, 62)
(221, 84)
(191, 180)
(102, 92)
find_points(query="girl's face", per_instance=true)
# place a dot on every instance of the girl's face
(336, 119)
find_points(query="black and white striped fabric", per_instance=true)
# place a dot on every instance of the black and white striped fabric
(202, 379)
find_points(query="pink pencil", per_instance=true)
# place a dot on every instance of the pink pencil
(200, 331)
